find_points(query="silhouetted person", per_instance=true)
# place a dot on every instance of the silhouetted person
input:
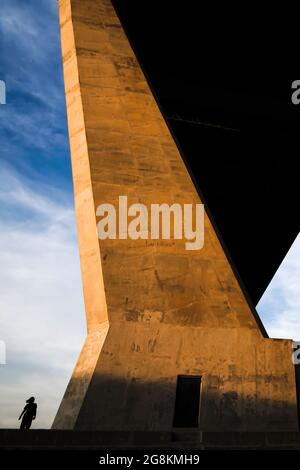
(29, 413)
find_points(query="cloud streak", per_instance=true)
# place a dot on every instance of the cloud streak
(41, 304)
(42, 313)
(34, 117)
(280, 305)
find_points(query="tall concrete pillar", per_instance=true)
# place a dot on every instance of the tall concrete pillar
(154, 310)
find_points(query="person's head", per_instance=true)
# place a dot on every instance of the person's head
(30, 400)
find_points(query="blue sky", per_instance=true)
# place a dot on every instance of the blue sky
(41, 304)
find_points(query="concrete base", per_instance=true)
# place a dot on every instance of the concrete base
(185, 439)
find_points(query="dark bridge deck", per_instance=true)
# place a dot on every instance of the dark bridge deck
(216, 73)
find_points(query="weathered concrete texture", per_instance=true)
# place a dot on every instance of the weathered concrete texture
(80, 380)
(170, 311)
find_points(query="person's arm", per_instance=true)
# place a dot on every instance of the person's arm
(22, 414)
(34, 416)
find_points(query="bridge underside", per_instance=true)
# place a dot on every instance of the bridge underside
(216, 73)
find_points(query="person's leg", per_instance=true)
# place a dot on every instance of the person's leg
(25, 423)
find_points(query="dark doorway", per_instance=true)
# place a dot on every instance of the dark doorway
(187, 403)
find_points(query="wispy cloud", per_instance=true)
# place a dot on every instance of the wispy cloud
(280, 305)
(34, 117)
(41, 303)
(42, 314)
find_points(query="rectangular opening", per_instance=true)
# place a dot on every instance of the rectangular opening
(187, 402)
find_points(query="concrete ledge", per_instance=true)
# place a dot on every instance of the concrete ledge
(57, 439)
